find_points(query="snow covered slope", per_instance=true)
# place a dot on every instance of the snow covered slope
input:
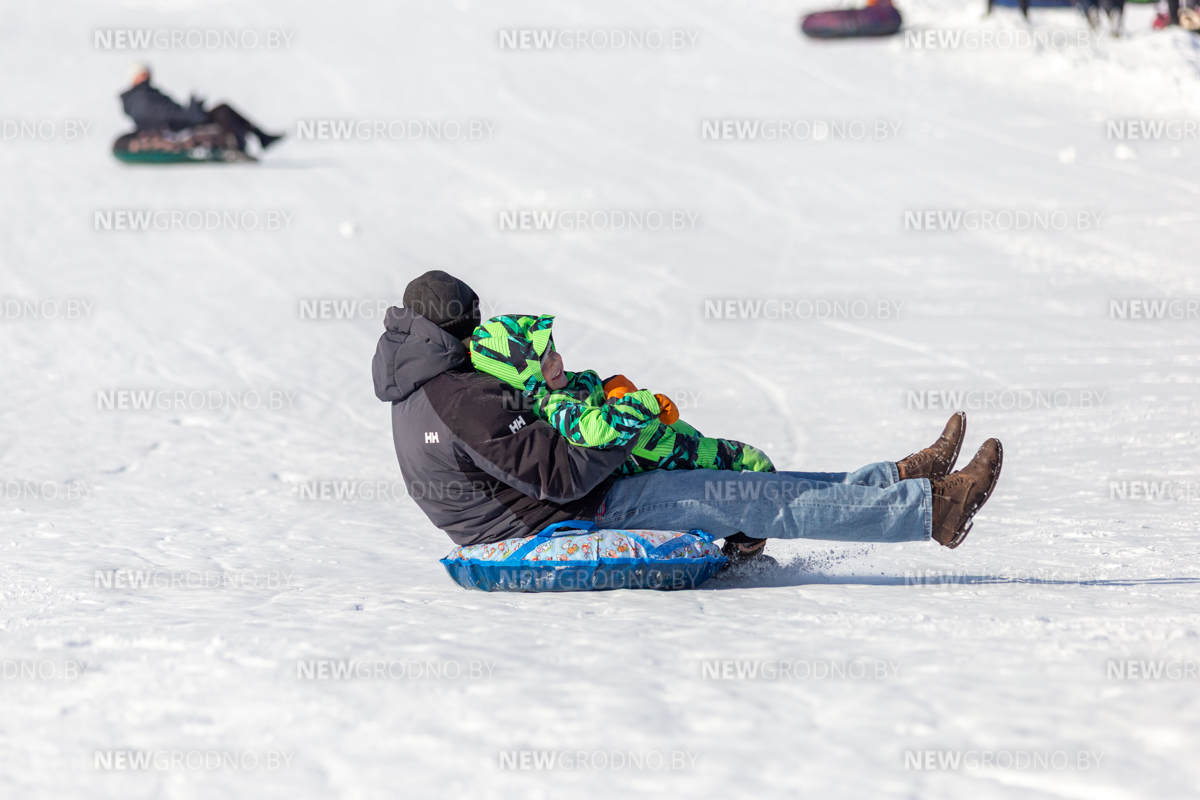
(1009, 650)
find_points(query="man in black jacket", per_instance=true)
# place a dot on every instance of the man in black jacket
(475, 459)
(150, 109)
(484, 468)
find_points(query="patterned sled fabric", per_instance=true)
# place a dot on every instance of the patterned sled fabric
(201, 143)
(573, 560)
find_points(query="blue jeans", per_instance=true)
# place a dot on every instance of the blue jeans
(869, 505)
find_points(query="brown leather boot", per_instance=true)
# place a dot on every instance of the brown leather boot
(938, 459)
(959, 495)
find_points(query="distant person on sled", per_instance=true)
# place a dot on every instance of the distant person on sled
(166, 131)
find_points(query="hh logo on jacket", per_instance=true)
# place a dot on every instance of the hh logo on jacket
(517, 424)
(431, 437)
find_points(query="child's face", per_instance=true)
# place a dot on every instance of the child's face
(552, 370)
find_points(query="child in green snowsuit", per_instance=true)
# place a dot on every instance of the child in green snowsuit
(519, 350)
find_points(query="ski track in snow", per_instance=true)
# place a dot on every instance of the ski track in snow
(1001, 646)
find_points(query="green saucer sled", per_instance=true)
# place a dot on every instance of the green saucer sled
(199, 145)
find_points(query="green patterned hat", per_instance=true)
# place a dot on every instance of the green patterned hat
(511, 347)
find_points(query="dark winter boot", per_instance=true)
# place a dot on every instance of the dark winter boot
(938, 459)
(741, 549)
(959, 495)
(266, 139)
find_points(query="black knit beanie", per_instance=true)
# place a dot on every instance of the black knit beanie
(445, 301)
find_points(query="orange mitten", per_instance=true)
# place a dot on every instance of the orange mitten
(668, 414)
(617, 386)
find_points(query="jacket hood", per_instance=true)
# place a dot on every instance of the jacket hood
(411, 352)
(511, 347)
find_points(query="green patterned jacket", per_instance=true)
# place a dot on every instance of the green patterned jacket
(511, 348)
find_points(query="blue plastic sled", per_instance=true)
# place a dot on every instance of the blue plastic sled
(572, 558)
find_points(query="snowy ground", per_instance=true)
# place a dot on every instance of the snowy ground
(1000, 652)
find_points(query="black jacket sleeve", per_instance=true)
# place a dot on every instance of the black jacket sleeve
(149, 109)
(538, 461)
(507, 441)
